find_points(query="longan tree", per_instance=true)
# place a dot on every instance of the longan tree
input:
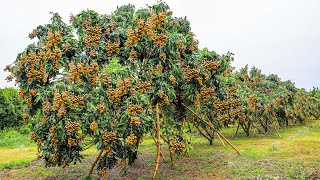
(106, 80)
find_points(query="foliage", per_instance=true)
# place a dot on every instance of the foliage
(10, 108)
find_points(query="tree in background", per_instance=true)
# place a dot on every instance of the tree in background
(10, 108)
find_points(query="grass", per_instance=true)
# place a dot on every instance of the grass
(293, 156)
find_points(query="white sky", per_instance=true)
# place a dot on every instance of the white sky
(277, 36)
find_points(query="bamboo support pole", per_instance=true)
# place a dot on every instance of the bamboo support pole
(95, 162)
(212, 127)
(158, 142)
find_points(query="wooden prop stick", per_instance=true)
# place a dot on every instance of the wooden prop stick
(95, 162)
(212, 127)
(158, 142)
(218, 134)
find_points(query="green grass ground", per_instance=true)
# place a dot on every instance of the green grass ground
(296, 155)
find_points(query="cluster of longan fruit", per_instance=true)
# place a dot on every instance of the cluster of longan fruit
(112, 47)
(93, 125)
(159, 68)
(93, 35)
(172, 79)
(134, 109)
(54, 159)
(160, 40)
(135, 120)
(133, 55)
(132, 139)
(108, 137)
(70, 142)
(33, 34)
(181, 45)
(162, 56)
(210, 65)
(53, 39)
(190, 73)
(133, 37)
(143, 86)
(252, 102)
(177, 146)
(104, 78)
(164, 97)
(101, 107)
(72, 126)
(206, 92)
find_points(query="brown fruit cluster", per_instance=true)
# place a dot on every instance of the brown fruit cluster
(77, 71)
(92, 53)
(21, 94)
(252, 102)
(148, 28)
(133, 37)
(288, 112)
(104, 173)
(54, 159)
(111, 26)
(135, 120)
(101, 108)
(32, 92)
(108, 137)
(104, 78)
(132, 139)
(267, 108)
(206, 93)
(54, 141)
(107, 150)
(245, 77)
(123, 87)
(177, 146)
(32, 136)
(71, 142)
(62, 112)
(235, 113)
(228, 71)
(181, 45)
(163, 56)
(231, 90)
(72, 126)
(200, 81)
(46, 106)
(133, 55)
(159, 68)
(33, 34)
(9, 78)
(160, 40)
(112, 47)
(163, 96)
(53, 39)
(190, 73)
(223, 117)
(255, 81)
(173, 80)
(210, 66)
(143, 86)
(196, 102)
(134, 109)
(93, 35)
(221, 105)
(93, 125)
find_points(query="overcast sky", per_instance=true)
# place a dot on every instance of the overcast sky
(277, 36)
